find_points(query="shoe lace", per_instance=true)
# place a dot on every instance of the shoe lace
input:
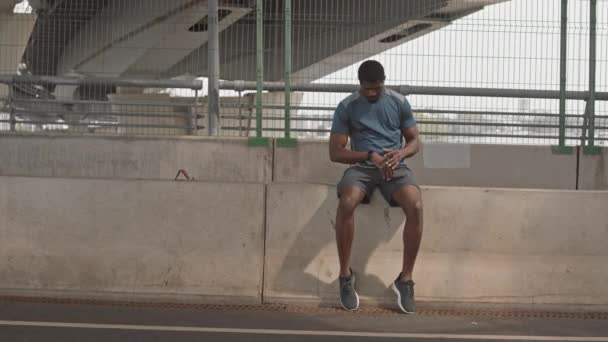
(347, 285)
(409, 288)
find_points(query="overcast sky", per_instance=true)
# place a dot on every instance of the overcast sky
(515, 44)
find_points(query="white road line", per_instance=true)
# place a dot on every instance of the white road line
(299, 332)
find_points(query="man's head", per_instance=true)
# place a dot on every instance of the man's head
(371, 78)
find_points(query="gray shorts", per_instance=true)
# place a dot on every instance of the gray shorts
(368, 178)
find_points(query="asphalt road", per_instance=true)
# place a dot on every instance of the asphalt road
(22, 321)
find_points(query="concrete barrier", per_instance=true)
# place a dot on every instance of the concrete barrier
(480, 245)
(593, 173)
(508, 166)
(205, 159)
(308, 162)
(160, 240)
(232, 160)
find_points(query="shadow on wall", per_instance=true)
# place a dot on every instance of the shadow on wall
(599, 176)
(302, 259)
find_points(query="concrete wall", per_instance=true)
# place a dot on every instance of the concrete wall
(158, 113)
(130, 237)
(444, 164)
(593, 174)
(205, 242)
(206, 159)
(156, 239)
(504, 166)
(308, 162)
(479, 245)
(232, 160)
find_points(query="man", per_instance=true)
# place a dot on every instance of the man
(376, 120)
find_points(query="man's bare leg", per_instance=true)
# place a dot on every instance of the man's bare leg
(350, 198)
(410, 200)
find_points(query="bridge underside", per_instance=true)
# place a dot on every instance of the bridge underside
(163, 39)
(160, 39)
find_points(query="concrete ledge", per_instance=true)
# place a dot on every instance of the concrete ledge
(508, 166)
(162, 239)
(308, 162)
(593, 174)
(495, 166)
(205, 159)
(529, 247)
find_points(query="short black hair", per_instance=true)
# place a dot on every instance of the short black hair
(371, 71)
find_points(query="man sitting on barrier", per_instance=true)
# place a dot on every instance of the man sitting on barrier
(376, 120)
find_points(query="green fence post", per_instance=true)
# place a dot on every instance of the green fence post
(259, 140)
(561, 148)
(590, 148)
(287, 140)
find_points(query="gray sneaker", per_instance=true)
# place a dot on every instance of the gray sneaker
(405, 295)
(348, 296)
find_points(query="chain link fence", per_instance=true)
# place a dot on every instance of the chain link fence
(475, 71)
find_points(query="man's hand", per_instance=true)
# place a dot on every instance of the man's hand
(393, 158)
(382, 165)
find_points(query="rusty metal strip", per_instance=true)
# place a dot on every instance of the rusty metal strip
(314, 309)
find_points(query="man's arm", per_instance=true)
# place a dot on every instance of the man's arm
(412, 141)
(412, 146)
(338, 152)
(340, 130)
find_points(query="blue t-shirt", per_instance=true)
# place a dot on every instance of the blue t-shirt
(374, 126)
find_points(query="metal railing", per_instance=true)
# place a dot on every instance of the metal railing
(460, 125)
(493, 71)
(569, 128)
(129, 115)
(543, 128)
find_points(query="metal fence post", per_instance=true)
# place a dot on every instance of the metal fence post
(287, 140)
(12, 118)
(561, 148)
(259, 140)
(214, 68)
(193, 116)
(591, 148)
(585, 123)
